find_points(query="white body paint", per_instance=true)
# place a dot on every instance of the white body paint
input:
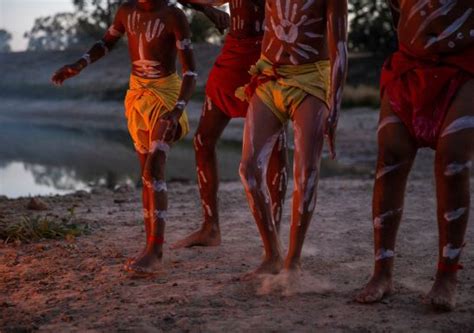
(184, 44)
(159, 145)
(459, 124)
(379, 220)
(450, 30)
(443, 10)
(450, 252)
(455, 214)
(160, 214)
(287, 30)
(382, 254)
(387, 121)
(456, 168)
(387, 169)
(154, 28)
(160, 185)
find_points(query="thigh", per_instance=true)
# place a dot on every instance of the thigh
(261, 131)
(394, 139)
(457, 131)
(308, 122)
(211, 124)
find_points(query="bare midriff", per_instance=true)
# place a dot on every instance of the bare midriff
(295, 31)
(429, 27)
(246, 18)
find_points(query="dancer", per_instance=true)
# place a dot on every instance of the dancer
(154, 103)
(241, 49)
(427, 92)
(299, 77)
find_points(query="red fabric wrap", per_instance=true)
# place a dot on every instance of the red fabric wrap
(157, 240)
(230, 72)
(449, 268)
(421, 90)
(258, 80)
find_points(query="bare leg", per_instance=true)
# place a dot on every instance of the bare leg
(211, 125)
(308, 120)
(154, 181)
(396, 152)
(261, 132)
(277, 177)
(145, 200)
(454, 155)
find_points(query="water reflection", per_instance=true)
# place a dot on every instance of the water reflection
(38, 160)
(46, 159)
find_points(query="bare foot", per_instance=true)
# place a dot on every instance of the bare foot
(375, 290)
(202, 237)
(148, 263)
(442, 295)
(268, 266)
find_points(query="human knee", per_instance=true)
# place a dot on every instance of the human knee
(249, 174)
(393, 159)
(307, 177)
(453, 159)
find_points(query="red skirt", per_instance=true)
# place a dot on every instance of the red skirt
(230, 72)
(421, 90)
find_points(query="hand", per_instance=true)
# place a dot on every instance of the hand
(220, 18)
(330, 131)
(169, 124)
(66, 72)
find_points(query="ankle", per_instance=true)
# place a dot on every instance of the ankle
(211, 227)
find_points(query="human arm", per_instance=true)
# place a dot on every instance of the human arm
(184, 47)
(338, 56)
(395, 9)
(219, 17)
(96, 52)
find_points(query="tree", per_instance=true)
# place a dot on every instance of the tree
(88, 23)
(5, 38)
(73, 30)
(371, 28)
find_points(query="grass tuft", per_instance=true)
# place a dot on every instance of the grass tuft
(33, 229)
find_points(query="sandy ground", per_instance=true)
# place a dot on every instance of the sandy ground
(79, 285)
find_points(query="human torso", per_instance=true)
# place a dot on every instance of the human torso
(427, 27)
(151, 40)
(295, 31)
(246, 19)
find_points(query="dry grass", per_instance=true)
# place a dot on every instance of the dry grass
(33, 229)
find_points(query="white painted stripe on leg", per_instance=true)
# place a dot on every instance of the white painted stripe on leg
(459, 124)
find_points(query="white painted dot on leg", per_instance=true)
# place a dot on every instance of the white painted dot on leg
(456, 168)
(160, 214)
(387, 169)
(449, 251)
(455, 214)
(160, 145)
(159, 185)
(379, 220)
(146, 214)
(459, 124)
(382, 254)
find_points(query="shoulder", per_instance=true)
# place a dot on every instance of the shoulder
(177, 16)
(176, 13)
(125, 8)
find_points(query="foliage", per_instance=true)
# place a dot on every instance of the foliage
(5, 38)
(31, 229)
(90, 20)
(371, 28)
(68, 30)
